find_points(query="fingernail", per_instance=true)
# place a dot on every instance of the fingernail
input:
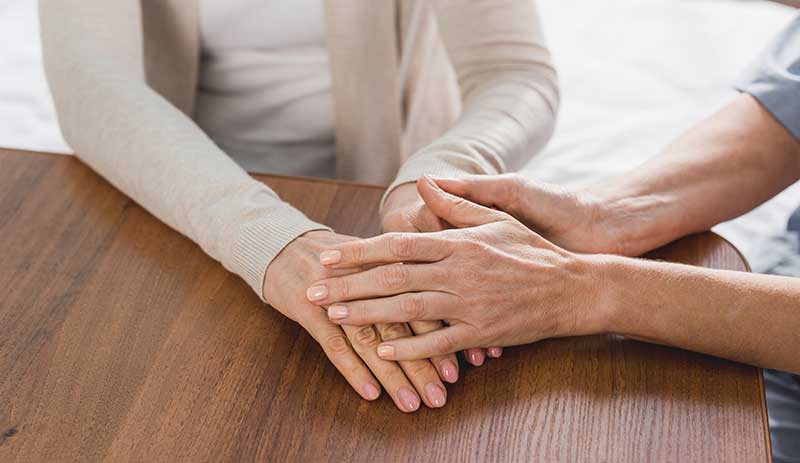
(330, 257)
(371, 392)
(317, 293)
(435, 395)
(495, 352)
(385, 351)
(449, 371)
(476, 357)
(338, 312)
(408, 399)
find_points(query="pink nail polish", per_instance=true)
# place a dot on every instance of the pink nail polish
(330, 257)
(476, 357)
(435, 395)
(495, 352)
(409, 399)
(317, 293)
(449, 371)
(371, 392)
(385, 351)
(338, 312)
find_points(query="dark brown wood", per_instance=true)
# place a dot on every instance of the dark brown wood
(121, 341)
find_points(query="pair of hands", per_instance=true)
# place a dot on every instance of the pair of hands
(352, 348)
(493, 279)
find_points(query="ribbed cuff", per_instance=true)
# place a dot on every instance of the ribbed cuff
(260, 241)
(433, 166)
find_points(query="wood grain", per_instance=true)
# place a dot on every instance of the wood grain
(121, 341)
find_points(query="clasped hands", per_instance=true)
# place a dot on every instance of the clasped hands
(400, 305)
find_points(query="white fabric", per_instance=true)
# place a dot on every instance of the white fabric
(264, 94)
(634, 74)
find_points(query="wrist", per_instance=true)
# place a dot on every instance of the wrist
(602, 301)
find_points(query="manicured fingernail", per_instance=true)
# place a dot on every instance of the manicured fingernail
(338, 312)
(408, 398)
(385, 351)
(476, 357)
(317, 293)
(371, 392)
(449, 371)
(435, 395)
(330, 257)
(495, 352)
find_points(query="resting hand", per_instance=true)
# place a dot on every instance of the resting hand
(580, 220)
(405, 211)
(496, 283)
(348, 347)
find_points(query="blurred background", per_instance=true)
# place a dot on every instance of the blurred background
(634, 74)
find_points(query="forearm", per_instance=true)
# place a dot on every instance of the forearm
(149, 149)
(725, 166)
(508, 90)
(740, 316)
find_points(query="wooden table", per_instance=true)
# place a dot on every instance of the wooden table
(121, 341)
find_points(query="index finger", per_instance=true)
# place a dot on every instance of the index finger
(388, 248)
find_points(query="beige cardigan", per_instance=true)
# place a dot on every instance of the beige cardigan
(444, 87)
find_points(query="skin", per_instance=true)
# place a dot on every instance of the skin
(405, 211)
(727, 165)
(350, 348)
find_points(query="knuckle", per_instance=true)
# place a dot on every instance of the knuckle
(402, 245)
(394, 276)
(394, 331)
(421, 368)
(342, 288)
(358, 252)
(443, 342)
(413, 306)
(337, 344)
(365, 337)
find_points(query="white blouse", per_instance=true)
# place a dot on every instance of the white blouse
(264, 91)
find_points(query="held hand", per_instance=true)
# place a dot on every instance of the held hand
(496, 283)
(348, 347)
(578, 220)
(405, 211)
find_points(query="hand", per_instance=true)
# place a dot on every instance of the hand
(580, 220)
(496, 283)
(348, 347)
(405, 211)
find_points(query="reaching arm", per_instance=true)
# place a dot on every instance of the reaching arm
(147, 148)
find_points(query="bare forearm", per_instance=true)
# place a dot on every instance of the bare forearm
(725, 166)
(740, 316)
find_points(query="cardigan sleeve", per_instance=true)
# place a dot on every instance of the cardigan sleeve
(508, 89)
(150, 150)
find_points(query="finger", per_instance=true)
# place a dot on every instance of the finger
(455, 210)
(338, 349)
(420, 371)
(440, 342)
(499, 191)
(386, 280)
(364, 340)
(446, 365)
(425, 305)
(388, 248)
(424, 220)
(494, 352)
(475, 356)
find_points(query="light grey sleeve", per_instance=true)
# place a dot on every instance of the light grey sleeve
(774, 78)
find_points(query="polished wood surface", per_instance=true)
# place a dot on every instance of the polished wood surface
(121, 341)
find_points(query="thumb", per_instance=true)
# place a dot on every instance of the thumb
(500, 191)
(455, 210)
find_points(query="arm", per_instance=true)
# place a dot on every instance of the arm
(740, 316)
(498, 283)
(150, 150)
(508, 88)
